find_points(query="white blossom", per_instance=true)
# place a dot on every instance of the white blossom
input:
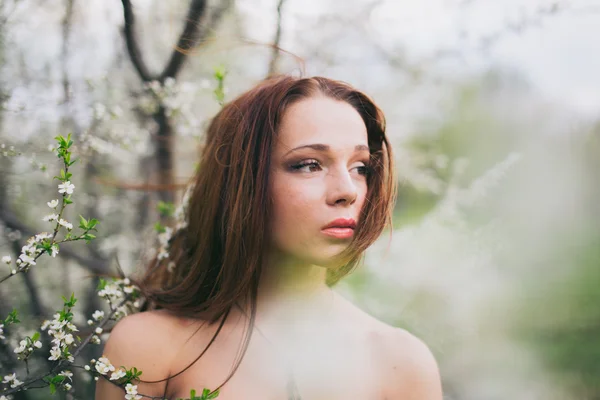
(41, 236)
(62, 337)
(50, 217)
(128, 289)
(121, 312)
(66, 224)
(12, 379)
(6, 259)
(55, 353)
(118, 374)
(171, 266)
(98, 315)
(131, 392)
(22, 347)
(69, 339)
(2, 331)
(165, 236)
(111, 291)
(27, 259)
(53, 203)
(67, 374)
(104, 366)
(66, 187)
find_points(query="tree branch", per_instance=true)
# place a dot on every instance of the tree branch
(276, 41)
(132, 44)
(66, 30)
(98, 267)
(188, 39)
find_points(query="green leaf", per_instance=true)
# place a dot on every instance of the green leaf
(61, 140)
(159, 228)
(214, 395)
(102, 284)
(220, 72)
(88, 237)
(69, 303)
(83, 223)
(12, 318)
(166, 209)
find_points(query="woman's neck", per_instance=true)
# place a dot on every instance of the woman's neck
(292, 292)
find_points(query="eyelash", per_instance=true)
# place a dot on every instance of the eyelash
(367, 169)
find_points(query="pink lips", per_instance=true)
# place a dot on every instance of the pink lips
(341, 228)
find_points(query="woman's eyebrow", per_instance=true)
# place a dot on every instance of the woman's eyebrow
(325, 148)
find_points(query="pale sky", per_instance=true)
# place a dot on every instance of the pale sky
(559, 54)
(560, 57)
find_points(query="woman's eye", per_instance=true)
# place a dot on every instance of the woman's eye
(314, 165)
(364, 169)
(311, 164)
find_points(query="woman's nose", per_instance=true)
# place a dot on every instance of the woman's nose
(341, 188)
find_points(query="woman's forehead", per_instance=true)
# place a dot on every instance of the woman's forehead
(321, 120)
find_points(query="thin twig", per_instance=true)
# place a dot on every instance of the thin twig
(275, 49)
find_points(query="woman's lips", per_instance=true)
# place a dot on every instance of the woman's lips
(339, 233)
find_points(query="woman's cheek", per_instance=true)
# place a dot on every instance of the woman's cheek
(295, 209)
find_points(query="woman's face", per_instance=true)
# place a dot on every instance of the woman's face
(318, 175)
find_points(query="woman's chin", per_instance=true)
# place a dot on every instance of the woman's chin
(329, 259)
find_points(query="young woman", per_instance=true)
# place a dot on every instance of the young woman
(296, 181)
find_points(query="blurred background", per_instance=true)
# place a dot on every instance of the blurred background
(493, 108)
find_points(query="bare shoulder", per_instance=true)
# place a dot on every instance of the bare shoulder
(409, 369)
(146, 341)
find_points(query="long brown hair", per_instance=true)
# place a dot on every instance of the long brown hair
(216, 260)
